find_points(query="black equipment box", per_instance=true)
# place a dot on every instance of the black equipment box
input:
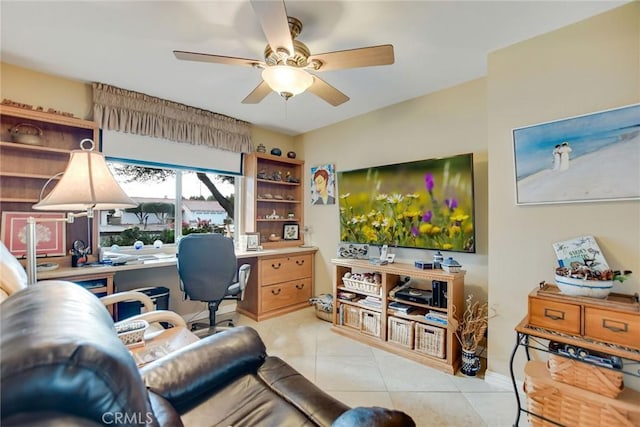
(415, 295)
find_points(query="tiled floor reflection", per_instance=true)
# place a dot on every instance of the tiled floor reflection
(360, 375)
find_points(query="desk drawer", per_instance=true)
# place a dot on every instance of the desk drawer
(277, 270)
(554, 315)
(285, 294)
(612, 327)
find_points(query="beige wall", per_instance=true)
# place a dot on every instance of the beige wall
(590, 66)
(445, 123)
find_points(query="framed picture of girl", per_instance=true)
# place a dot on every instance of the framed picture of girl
(323, 185)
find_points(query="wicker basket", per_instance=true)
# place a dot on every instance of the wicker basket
(132, 333)
(370, 323)
(572, 406)
(400, 332)
(585, 376)
(350, 316)
(429, 340)
(357, 285)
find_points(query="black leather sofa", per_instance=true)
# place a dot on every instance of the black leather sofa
(63, 364)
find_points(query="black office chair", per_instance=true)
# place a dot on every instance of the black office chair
(208, 272)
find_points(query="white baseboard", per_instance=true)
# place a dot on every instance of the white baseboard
(501, 381)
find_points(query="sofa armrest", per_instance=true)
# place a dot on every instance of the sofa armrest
(300, 392)
(189, 374)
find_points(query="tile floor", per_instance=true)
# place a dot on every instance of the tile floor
(361, 375)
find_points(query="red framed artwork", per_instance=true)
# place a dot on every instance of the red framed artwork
(50, 235)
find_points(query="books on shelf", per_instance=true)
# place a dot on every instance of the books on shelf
(437, 317)
(400, 307)
(372, 302)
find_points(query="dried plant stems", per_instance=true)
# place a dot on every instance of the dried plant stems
(472, 325)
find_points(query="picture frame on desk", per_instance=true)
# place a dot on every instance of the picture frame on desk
(51, 235)
(253, 241)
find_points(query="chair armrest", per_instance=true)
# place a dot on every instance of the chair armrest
(243, 278)
(129, 296)
(291, 386)
(193, 372)
(158, 316)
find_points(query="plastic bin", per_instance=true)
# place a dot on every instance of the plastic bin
(158, 294)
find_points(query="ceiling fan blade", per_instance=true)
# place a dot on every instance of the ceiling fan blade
(353, 58)
(327, 92)
(216, 59)
(275, 25)
(257, 94)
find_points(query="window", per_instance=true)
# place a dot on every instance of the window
(171, 202)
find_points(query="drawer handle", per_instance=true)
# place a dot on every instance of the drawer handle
(276, 266)
(300, 261)
(275, 291)
(300, 286)
(553, 314)
(608, 324)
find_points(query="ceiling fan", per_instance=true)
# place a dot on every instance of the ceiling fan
(287, 61)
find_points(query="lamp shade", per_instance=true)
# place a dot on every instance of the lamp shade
(287, 81)
(87, 183)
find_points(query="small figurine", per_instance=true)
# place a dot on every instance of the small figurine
(277, 176)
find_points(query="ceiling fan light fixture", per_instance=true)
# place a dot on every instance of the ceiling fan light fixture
(287, 81)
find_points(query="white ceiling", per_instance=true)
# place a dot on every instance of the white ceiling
(129, 44)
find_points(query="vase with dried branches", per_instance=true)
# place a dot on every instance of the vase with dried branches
(470, 329)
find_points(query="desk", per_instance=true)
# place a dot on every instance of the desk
(281, 280)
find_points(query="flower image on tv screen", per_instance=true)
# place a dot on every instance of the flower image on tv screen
(426, 204)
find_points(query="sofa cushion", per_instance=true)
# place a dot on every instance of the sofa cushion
(291, 386)
(192, 373)
(246, 402)
(60, 353)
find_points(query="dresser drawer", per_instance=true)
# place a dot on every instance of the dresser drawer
(554, 315)
(612, 327)
(283, 269)
(285, 294)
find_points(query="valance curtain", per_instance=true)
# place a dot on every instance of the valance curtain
(136, 113)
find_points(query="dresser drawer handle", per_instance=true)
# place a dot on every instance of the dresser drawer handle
(275, 291)
(553, 314)
(300, 261)
(300, 286)
(276, 266)
(608, 324)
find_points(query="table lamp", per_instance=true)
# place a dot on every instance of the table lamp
(86, 185)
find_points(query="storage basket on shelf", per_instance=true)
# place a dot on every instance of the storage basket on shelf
(585, 376)
(349, 316)
(400, 332)
(370, 323)
(573, 406)
(358, 285)
(429, 340)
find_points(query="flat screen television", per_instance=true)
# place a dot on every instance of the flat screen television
(425, 204)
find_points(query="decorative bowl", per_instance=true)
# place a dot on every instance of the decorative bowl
(274, 238)
(450, 265)
(585, 288)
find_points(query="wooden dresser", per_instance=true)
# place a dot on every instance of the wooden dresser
(614, 319)
(281, 281)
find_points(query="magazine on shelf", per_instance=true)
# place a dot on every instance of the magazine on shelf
(580, 251)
